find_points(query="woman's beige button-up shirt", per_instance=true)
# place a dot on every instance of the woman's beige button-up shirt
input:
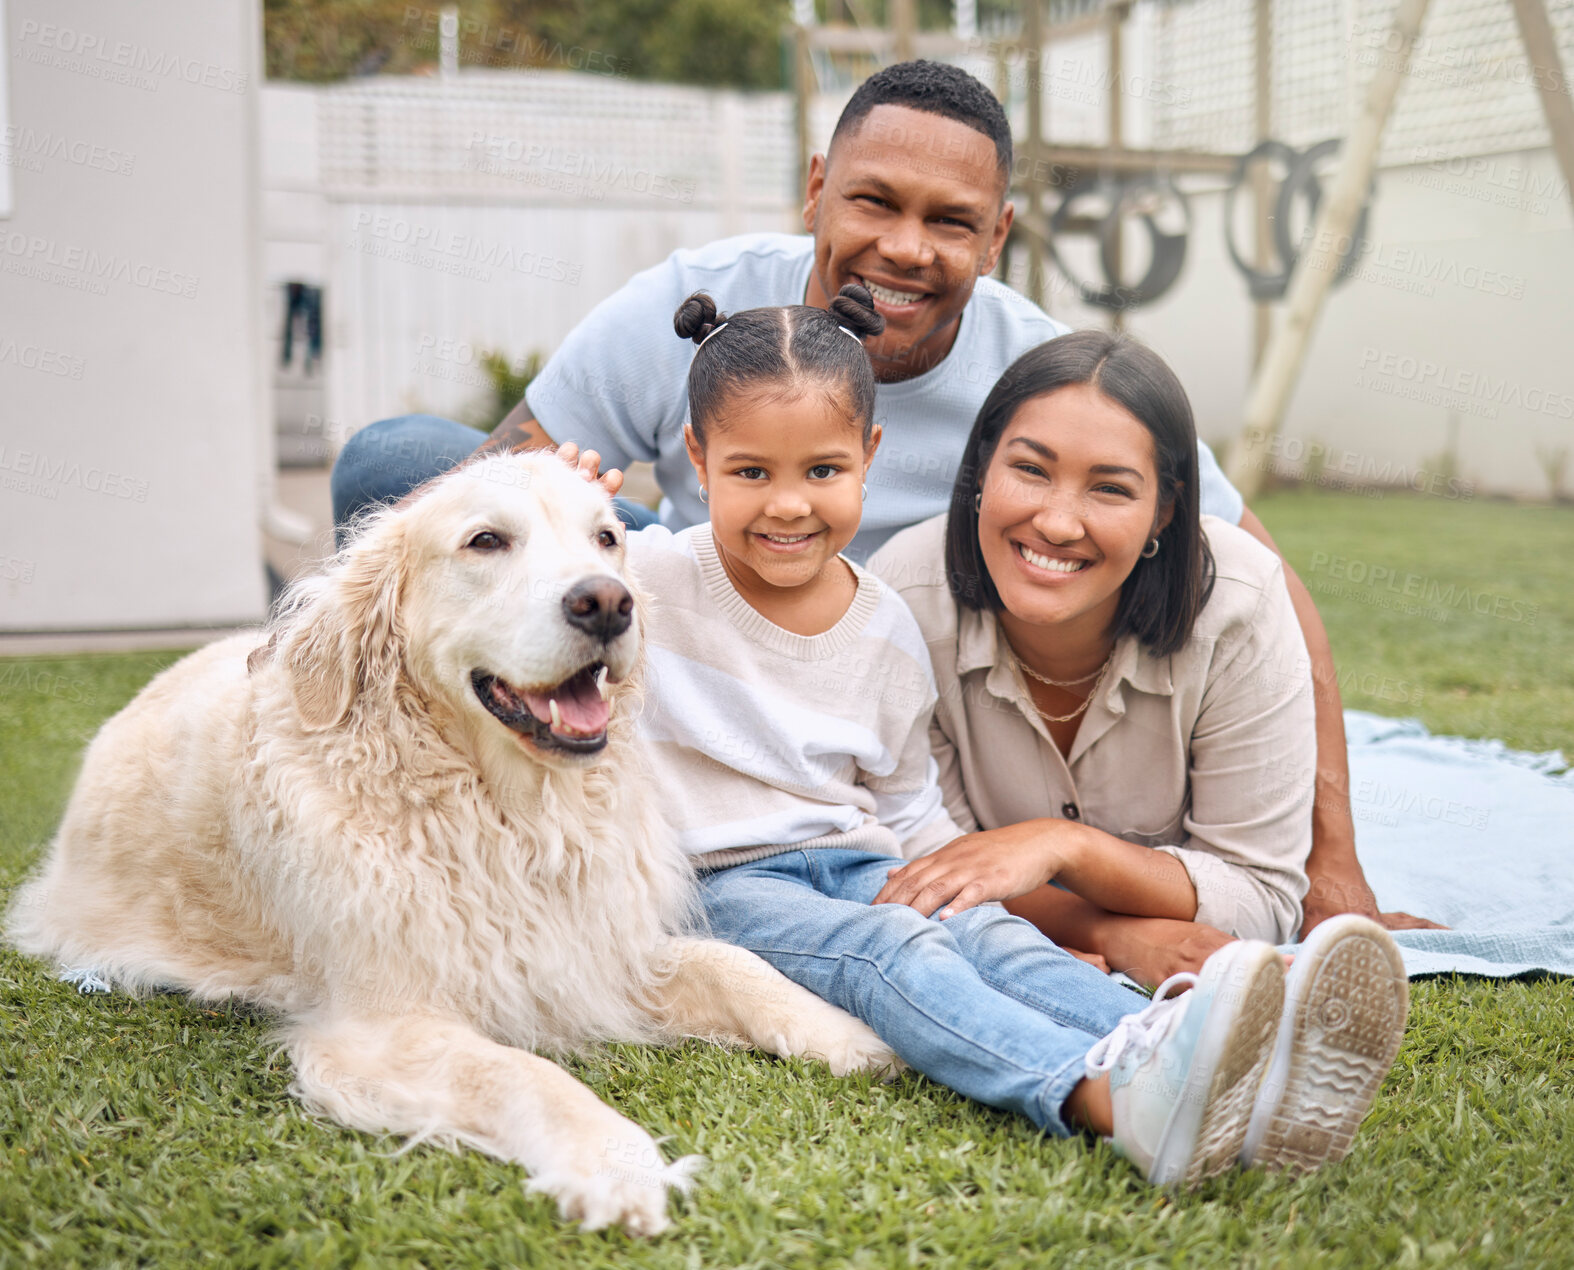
(1207, 754)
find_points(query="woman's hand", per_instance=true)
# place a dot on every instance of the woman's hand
(1151, 949)
(994, 864)
(589, 464)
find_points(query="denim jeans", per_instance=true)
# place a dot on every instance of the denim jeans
(981, 1002)
(384, 461)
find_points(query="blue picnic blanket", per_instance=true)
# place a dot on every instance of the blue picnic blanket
(1471, 834)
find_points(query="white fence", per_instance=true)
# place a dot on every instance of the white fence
(492, 210)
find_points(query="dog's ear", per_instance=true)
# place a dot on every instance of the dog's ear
(347, 639)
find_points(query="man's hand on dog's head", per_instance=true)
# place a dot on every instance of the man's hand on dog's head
(589, 464)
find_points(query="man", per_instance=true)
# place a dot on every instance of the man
(911, 201)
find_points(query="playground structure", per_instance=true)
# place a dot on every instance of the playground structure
(1137, 185)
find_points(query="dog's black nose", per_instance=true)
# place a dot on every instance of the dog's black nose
(599, 606)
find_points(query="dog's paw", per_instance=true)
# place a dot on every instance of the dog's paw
(622, 1180)
(857, 1049)
(817, 1030)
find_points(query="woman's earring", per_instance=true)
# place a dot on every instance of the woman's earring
(704, 497)
(865, 490)
(1151, 550)
(978, 501)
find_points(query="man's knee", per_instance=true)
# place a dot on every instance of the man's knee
(397, 448)
(385, 460)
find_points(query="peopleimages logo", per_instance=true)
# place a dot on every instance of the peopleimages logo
(44, 475)
(30, 144)
(1423, 596)
(1413, 268)
(65, 48)
(481, 43)
(46, 253)
(448, 251)
(1448, 62)
(13, 569)
(520, 158)
(1505, 183)
(1474, 384)
(1335, 466)
(46, 361)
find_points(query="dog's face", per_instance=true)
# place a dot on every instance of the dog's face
(515, 605)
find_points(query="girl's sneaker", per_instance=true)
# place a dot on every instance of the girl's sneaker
(1344, 1015)
(1185, 1071)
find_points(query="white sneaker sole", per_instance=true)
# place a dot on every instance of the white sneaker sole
(1344, 1017)
(1205, 1131)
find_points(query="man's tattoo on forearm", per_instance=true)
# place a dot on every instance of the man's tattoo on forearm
(514, 435)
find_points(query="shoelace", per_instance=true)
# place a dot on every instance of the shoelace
(1140, 1031)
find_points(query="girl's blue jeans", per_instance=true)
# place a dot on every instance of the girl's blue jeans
(981, 1002)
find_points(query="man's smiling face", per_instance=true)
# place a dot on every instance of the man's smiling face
(911, 205)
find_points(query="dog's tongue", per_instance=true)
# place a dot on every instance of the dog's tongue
(580, 709)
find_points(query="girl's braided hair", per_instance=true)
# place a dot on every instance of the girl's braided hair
(777, 353)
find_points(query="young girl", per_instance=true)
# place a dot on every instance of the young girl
(790, 700)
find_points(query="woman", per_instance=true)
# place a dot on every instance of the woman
(1125, 696)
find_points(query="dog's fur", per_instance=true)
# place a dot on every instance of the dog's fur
(333, 826)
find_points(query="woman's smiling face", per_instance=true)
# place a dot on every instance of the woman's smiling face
(1070, 499)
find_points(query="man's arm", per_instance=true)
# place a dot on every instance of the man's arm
(1149, 949)
(1338, 884)
(518, 431)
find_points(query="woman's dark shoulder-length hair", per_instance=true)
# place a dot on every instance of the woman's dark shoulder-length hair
(1160, 601)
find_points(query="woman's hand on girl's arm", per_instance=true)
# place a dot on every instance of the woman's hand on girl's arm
(993, 864)
(1004, 863)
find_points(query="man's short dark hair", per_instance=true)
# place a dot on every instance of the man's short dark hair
(939, 89)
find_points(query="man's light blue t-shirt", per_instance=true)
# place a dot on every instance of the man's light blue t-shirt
(620, 383)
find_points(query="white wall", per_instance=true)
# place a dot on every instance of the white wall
(133, 445)
(1461, 307)
(405, 335)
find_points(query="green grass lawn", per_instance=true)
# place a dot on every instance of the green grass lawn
(159, 1133)
(1460, 613)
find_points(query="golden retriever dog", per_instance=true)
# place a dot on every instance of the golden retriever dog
(417, 824)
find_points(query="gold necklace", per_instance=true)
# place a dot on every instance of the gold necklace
(1062, 683)
(1086, 701)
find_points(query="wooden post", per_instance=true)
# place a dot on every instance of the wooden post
(1314, 271)
(904, 22)
(1033, 62)
(1535, 31)
(803, 89)
(1117, 133)
(1262, 198)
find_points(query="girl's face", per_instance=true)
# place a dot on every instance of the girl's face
(1070, 499)
(784, 479)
